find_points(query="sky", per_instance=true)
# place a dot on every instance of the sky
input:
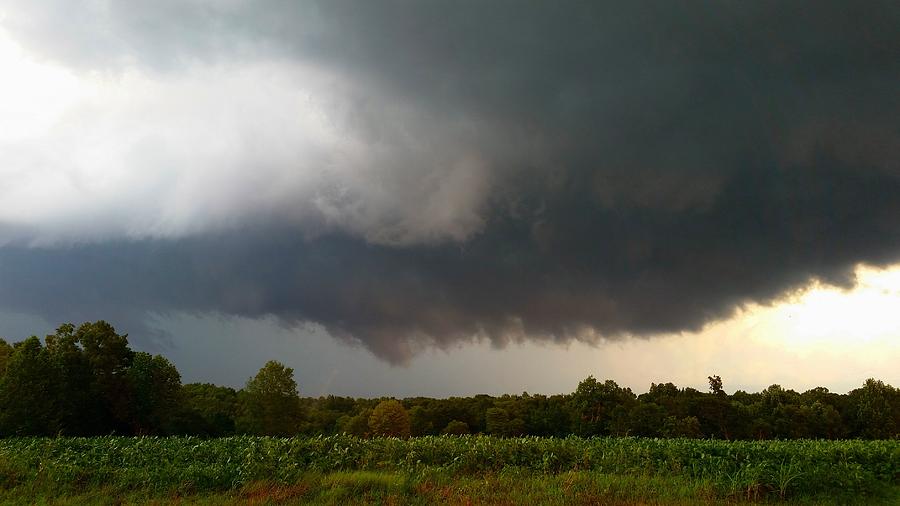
(447, 198)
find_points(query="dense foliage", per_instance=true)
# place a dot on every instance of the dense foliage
(752, 469)
(87, 381)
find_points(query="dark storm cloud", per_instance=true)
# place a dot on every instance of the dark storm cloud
(576, 267)
(645, 168)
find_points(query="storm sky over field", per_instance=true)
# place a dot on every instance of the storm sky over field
(441, 194)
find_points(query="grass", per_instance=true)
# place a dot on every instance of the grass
(448, 470)
(366, 487)
(506, 488)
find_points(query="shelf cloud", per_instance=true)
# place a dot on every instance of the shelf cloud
(422, 174)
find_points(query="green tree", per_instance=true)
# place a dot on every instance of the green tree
(619, 422)
(6, 351)
(389, 419)
(715, 385)
(208, 409)
(109, 356)
(594, 407)
(80, 411)
(156, 388)
(28, 392)
(823, 421)
(358, 424)
(270, 404)
(547, 416)
(688, 426)
(496, 421)
(456, 427)
(419, 421)
(648, 419)
(719, 417)
(325, 414)
(875, 416)
(515, 427)
(668, 396)
(499, 423)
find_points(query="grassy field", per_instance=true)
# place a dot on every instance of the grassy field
(457, 470)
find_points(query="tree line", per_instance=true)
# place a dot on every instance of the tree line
(86, 380)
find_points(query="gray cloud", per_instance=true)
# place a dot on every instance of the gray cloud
(505, 171)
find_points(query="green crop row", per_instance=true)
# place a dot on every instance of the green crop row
(795, 468)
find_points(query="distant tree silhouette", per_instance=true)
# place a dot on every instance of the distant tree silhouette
(86, 380)
(715, 385)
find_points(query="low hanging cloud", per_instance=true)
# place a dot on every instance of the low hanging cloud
(422, 174)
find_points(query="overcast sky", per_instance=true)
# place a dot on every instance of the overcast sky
(442, 198)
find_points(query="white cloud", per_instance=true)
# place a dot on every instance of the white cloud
(135, 153)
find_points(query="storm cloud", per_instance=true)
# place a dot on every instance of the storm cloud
(417, 174)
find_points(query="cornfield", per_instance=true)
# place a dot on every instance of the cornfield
(779, 468)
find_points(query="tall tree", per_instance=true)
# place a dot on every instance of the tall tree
(80, 411)
(875, 413)
(594, 407)
(109, 356)
(28, 392)
(715, 385)
(156, 387)
(419, 422)
(648, 419)
(213, 406)
(389, 419)
(270, 404)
